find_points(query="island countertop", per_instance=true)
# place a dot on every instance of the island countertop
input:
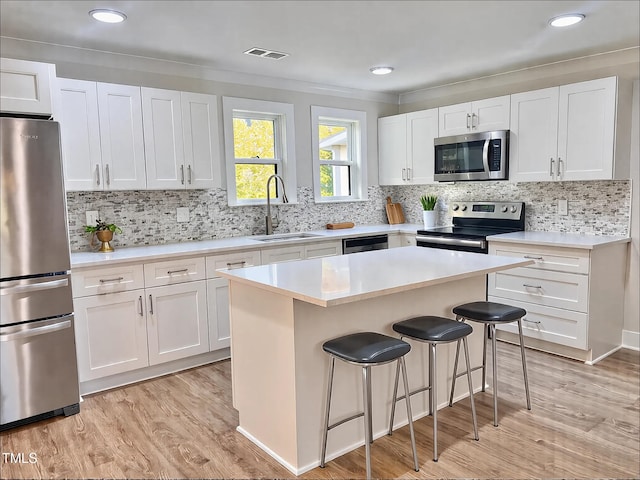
(343, 279)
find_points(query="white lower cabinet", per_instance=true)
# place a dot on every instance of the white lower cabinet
(301, 252)
(111, 334)
(218, 312)
(177, 321)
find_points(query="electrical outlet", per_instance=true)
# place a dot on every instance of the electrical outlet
(92, 217)
(182, 214)
(563, 207)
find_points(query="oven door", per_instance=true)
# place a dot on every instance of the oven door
(477, 245)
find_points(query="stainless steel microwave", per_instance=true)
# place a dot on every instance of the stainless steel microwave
(473, 156)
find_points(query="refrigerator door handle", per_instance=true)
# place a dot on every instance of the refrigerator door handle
(9, 337)
(34, 287)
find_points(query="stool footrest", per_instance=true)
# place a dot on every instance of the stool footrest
(419, 390)
(461, 374)
(345, 420)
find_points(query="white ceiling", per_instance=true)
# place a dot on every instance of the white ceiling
(429, 43)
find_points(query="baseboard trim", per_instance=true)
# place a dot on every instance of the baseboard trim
(631, 340)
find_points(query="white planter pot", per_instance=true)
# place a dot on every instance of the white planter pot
(429, 218)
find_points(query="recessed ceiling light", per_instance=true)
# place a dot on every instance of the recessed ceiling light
(566, 20)
(108, 16)
(381, 70)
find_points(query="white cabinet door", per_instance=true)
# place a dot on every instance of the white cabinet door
(163, 141)
(80, 134)
(479, 116)
(177, 321)
(392, 150)
(454, 119)
(533, 143)
(121, 137)
(323, 249)
(26, 87)
(586, 130)
(218, 309)
(283, 254)
(201, 144)
(111, 334)
(422, 129)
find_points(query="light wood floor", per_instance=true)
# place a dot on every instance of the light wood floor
(584, 424)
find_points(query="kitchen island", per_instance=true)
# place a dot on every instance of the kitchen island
(281, 314)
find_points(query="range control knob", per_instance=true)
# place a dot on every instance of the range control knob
(513, 209)
(504, 209)
(455, 207)
(463, 208)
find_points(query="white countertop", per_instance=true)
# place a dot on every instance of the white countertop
(212, 247)
(559, 239)
(350, 278)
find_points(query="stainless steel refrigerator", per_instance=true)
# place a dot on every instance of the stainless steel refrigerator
(38, 368)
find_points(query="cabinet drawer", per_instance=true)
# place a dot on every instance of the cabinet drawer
(107, 280)
(231, 260)
(282, 254)
(564, 327)
(553, 289)
(570, 260)
(174, 271)
(323, 249)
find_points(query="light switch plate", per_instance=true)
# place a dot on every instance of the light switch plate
(92, 217)
(563, 207)
(182, 214)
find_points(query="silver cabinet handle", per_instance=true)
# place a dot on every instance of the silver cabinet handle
(468, 120)
(171, 272)
(537, 322)
(531, 257)
(106, 174)
(551, 167)
(189, 176)
(34, 287)
(408, 174)
(182, 174)
(404, 174)
(150, 304)
(97, 174)
(526, 285)
(111, 280)
(473, 115)
(35, 331)
(241, 263)
(559, 169)
(140, 305)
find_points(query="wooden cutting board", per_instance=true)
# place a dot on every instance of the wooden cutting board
(394, 212)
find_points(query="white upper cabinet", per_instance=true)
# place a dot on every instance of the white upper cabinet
(101, 134)
(564, 133)
(405, 146)
(181, 139)
(479, 116)
(26, 87)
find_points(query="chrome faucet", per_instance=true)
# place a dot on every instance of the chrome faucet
(284, 200)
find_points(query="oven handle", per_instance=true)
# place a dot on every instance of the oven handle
(10, 337)
(451, 241)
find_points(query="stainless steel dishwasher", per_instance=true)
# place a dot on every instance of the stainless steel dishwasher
(365, 244)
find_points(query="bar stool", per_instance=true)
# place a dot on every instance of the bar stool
(434, 331)
(365, 349)
(491, 314)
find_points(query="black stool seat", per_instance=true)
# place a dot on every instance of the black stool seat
(433, 329)
(489, 312)
(367, 347)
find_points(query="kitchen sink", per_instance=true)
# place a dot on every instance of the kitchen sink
(285, 236)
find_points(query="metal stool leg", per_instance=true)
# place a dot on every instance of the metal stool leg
(473, 403)
(395, 396)
(495, 374)
(524, 364)
(433, 399)
(366, 390)
(409, 414)
(484, 357)
(455, 373)
(325, 430)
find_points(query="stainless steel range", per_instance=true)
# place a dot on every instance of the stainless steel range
(473, 222)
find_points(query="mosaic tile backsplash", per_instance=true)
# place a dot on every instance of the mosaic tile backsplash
(148, 217)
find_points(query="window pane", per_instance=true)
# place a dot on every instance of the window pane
(251, 181)
(333, 142)
(335, 180)
(253, 138)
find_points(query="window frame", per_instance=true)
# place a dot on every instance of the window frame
(284, 145)
(355, 121)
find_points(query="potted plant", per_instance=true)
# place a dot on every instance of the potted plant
(428, 210)
(104, 232)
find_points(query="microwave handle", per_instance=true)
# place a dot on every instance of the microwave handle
(485, 156)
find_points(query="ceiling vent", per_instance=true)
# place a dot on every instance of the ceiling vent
(263, 52)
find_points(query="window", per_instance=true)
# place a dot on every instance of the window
(258, 143)
(339, 154)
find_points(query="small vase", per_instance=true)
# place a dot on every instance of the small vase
(105, 236)
(429, 218)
